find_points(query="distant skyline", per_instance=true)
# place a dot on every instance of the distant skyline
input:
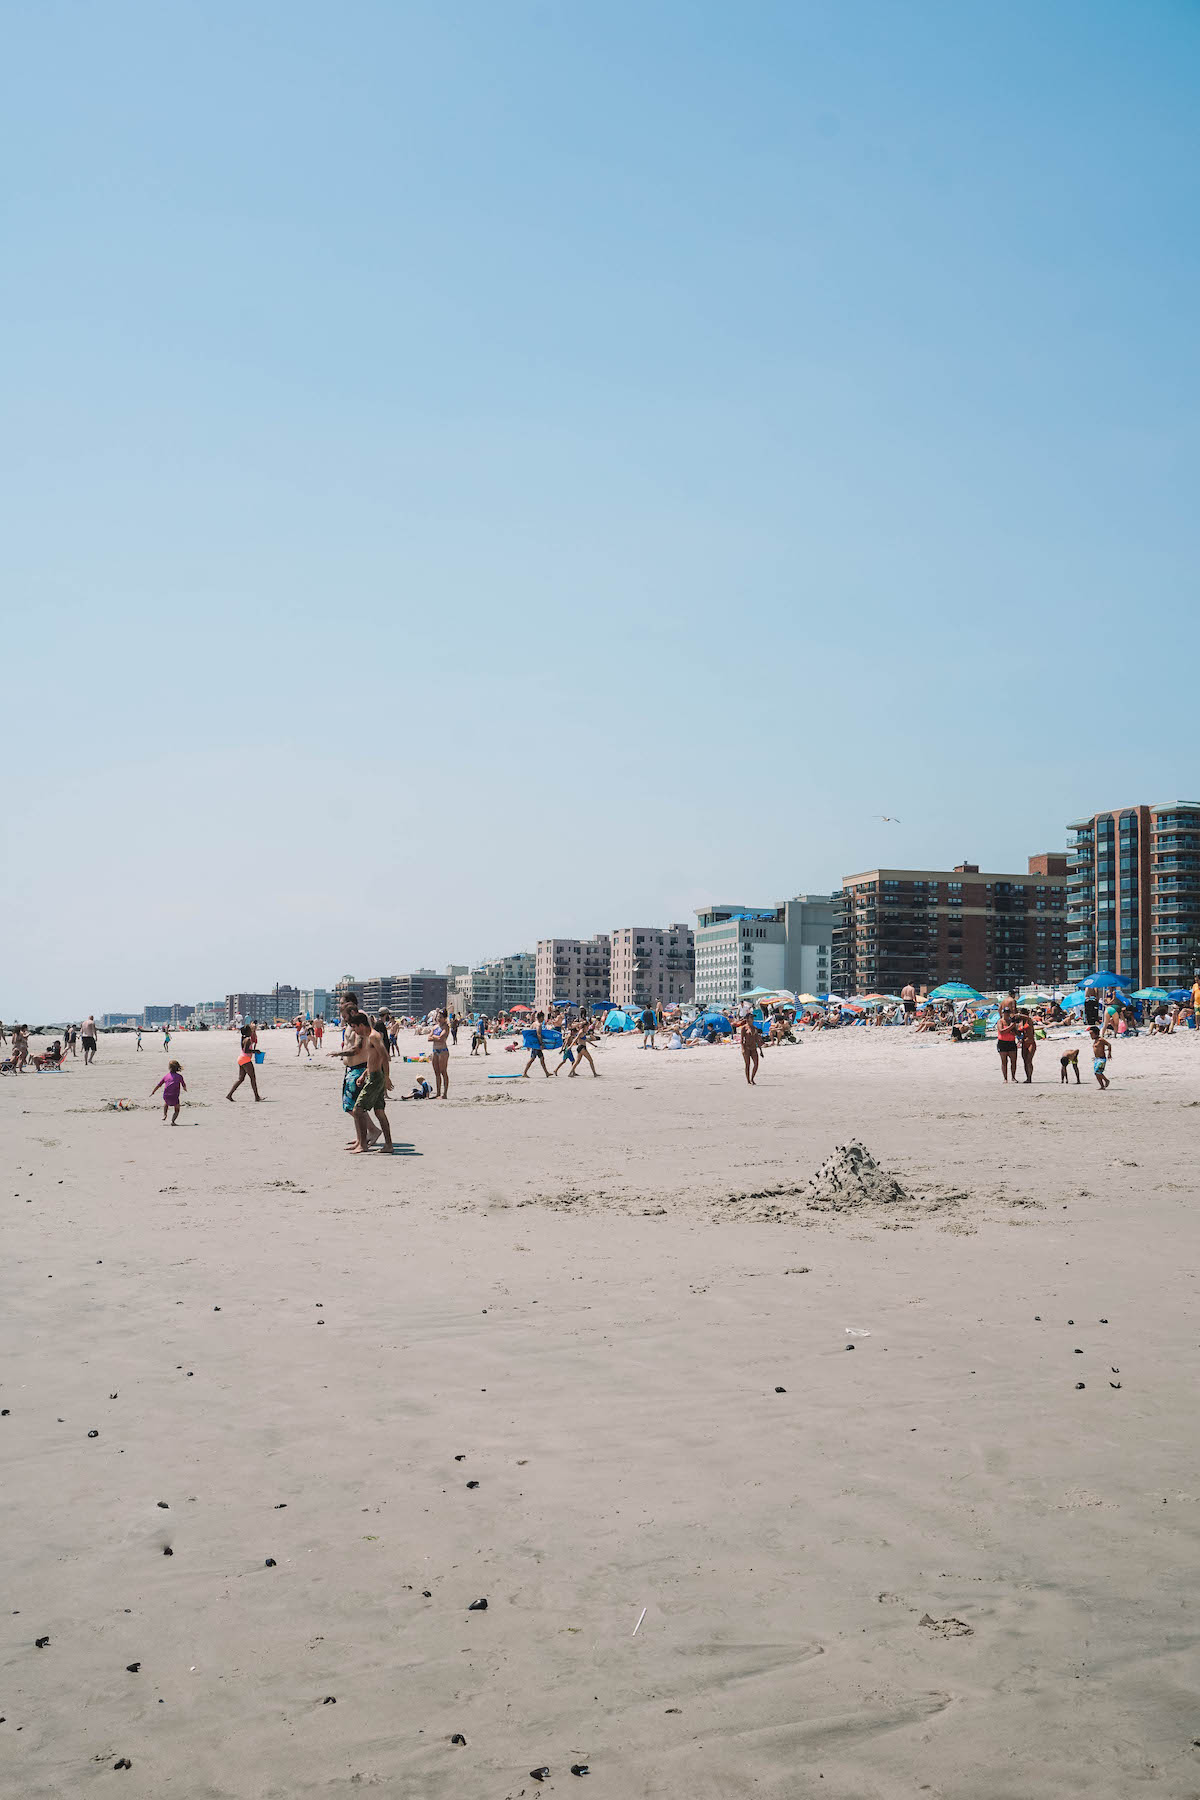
(482, 473)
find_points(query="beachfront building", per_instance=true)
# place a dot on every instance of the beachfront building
(788, 945)
(652, 965)
(497, 984)
(924, 926)
(212, 1014)
(1133, 895)
(571, 972)
(405, 996)
(314, 1003)
(282, 1002)
(160, 1015)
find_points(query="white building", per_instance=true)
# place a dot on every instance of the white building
(738, 947)
(314, 1003)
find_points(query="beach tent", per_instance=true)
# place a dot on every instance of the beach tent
(955, 990)
(616, 1020)
(701, 1026)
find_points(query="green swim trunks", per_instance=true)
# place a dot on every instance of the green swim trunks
(372, 1093)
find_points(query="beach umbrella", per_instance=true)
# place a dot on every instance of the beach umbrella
(955, 990)
(520, 1007)
(1179, 993)
(807, 1000)
(1069, 1001)
(1103, 978)
(1033, 998)
(756, 993)
(1150, 994)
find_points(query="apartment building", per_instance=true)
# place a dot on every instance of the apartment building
(406, 996)
(496, 985)
(282, 1002)
(787, 945)
(1133, 894)
(925, 926)
(571, 971)
(652, 964)
(314, 1003)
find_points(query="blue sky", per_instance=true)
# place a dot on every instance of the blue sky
(480, 471)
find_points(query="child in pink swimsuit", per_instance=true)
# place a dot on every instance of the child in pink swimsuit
(172, 1085)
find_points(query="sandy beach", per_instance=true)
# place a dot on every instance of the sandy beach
(933, 1564)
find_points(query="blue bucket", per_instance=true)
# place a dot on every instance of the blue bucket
(260, 1056)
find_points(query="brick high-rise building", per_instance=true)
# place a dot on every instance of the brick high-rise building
(652, 964)
(1133, 896)
(575, 971)
(925, 926)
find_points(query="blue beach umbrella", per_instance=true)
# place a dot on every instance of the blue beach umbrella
(1151, 993)
(955, 990)
(1104, 978)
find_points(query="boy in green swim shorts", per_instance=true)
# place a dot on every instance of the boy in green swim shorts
(372, 1092)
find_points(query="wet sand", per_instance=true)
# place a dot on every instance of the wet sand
(933, 1564)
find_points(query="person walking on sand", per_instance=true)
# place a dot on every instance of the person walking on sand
(751, 1044)
(439, 1052)
(537, 1050)
(353, 1054)
(482, 1029)
(1101, 1051)
(1027, 1038)
(579, 1044)
(89, 1039)
(304, 1041)
(908, 994)
(246, 1063)
(648, 1025)
(172, 1085)
(370, 1096)
(139, 1037)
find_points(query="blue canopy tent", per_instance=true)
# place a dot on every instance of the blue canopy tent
(616, 1020)
(709, 1021)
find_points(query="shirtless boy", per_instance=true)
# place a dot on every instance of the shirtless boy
(371, 1095)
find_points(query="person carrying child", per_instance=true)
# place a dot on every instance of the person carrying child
(172, 1085)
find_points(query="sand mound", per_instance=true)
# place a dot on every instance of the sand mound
(850, 1177)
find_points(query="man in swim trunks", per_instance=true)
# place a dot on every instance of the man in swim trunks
(353, 1056)
(89, 1039)
(371, 1093)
